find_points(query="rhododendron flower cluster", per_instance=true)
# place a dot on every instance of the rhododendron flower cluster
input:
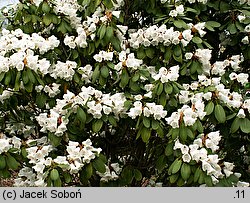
(78, 156)
(8, 143)
(116, 93)
(198, 151)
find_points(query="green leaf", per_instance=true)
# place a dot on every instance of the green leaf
(49, 182)
(209, 27)
(61, 28)
(232, 28)
(27, 18)
(45, 7)
(231, 116)
(124, 78)
(108, 4)
(146, 122)
(180, 24)
(35, 19)
(169, 149)
(150, 52)
(244, 125)
(24, 152)
(161, 163)
(17, 81)
(2, 76)
(55, 19)
(127, 104)
(55, 140)
(245, 12)
(89, 171)
(173, 178)
(209, 108)
(67, 26)
(136, 77)
(41, 100)
(224, 7)
(195, 65)
(75, 54)
(12, 162)
(197, 40)
(239, 26)
(54, 174)
(109, 33)
(31, 76)
(177, 50)
(190, 134)
(183, 133)
(25, 77)
(201, 178)
(188, 9)
(207, 44)
(235, 125)
(5, 173)
(213, 24)
(67, 177)
(160, 131)
(97, 125)
(185, 171)
(112, 121)
(67, 106)
(2, 162)
(7, 78)
(76, 78)
(155, 124)
(170, 169)
(110, 65)
(197, 174)
(134, 86)
(127, 174)
(102, 81)
(168, 54)
(159, 89)
(29, 87)
(175, 88)
(86, 173)
(208, 181)
(81, 115)
(175, 133)
(233, 178)
(103, 158)
(99, 165)
(180, 182)
(47, 19)
(141, 53)
(219, 113)
(91, 48)
(176, 165)
(137, 174)
(96, 74)
(104, 71)
(41, 82)
(200, 127)
(168, 88)
(101, 31)
(178, 58)
(58, 182)
(145, 134)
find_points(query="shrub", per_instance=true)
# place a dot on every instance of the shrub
(125, 93)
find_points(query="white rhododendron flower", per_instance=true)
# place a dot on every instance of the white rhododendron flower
(198, 151)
